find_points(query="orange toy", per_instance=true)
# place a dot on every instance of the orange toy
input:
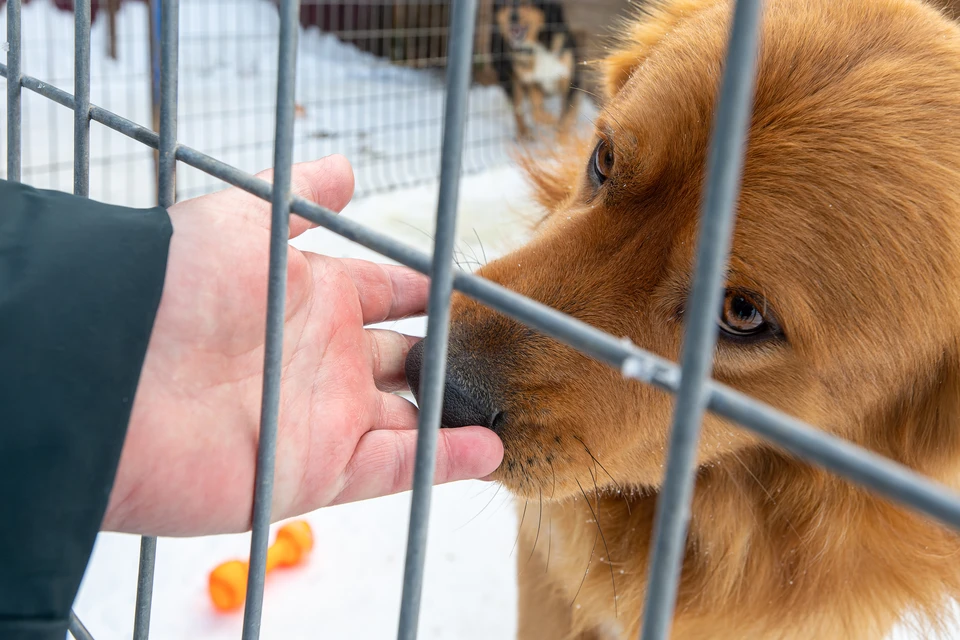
(228, 582)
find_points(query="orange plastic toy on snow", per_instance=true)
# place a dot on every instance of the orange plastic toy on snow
(228, 582)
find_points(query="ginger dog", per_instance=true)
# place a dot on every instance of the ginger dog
(842, 308)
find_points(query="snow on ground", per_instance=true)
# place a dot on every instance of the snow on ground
(387, 121)
(385, 118)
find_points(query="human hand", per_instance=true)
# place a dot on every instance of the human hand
(188, 462)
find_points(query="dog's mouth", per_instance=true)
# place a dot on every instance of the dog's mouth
(518, 33)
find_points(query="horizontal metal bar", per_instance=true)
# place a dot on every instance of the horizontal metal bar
(109, 119)
(46, 90)
(799, 438)
(128, 128)
(854, 463)
(77, 630)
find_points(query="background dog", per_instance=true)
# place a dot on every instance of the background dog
(535, 56)
(841, 307)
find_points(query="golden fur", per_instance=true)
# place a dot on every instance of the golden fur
(848, 226)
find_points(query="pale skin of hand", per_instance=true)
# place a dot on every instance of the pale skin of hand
(188, 461)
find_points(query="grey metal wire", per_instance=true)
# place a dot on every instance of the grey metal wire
(147, 563)
(81, 150)
(169, 66)
(850, 461)
(276, 295)
(724, 172)
(166, 194)
(460, 51)
(81, 92)
(13, 90)
(77, 630)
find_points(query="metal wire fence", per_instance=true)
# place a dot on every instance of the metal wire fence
(696, 391)
(370, 85)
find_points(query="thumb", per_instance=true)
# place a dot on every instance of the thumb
(384, 460)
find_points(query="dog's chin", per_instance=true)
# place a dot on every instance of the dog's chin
(575, 487)
(532, 481)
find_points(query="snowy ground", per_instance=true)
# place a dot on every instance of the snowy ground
(387, 121)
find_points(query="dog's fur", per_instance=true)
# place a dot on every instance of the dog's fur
(535, 56)
(848, 227)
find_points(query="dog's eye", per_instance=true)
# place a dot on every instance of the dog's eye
(601, 164)
(740, 316)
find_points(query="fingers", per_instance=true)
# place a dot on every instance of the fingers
(383, 461)
(396, 413)
(328, 182)
(387, 292)
(388, 350)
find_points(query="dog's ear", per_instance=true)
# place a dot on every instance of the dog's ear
(640, 34)
(553, 15)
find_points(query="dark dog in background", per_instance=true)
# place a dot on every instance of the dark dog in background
(535, 57)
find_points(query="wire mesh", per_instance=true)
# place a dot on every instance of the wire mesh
(413, 44)
(370, 85)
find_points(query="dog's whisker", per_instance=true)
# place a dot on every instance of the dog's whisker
(457, 250)
(482, 250)
(520, 528)
(537, 538)
(539, 519)
(587, 92)
(477, 515)
(473, 252)
(554, 470)
(587, 570)
(596, 516)
(614, 480)
(546, 568)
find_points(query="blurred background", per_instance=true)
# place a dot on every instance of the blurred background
(370, 85)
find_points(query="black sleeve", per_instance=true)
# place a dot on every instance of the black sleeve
(80, 283)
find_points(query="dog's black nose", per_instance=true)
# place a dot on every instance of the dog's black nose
(466, 400)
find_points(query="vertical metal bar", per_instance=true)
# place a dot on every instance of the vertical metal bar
(460, 51)
(76, 628)
(169, 65)
(81, 92)
(148, 560)
(724, 173)
(13, 90)
(154, 22)
(276, 294)
(169, 20)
